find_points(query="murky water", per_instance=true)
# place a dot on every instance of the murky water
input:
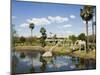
(33, 62)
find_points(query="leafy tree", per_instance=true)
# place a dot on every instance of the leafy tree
(73, 38)
(22, 39)
(91, 38)
(43, 37)
(55, 37)
(82, 37)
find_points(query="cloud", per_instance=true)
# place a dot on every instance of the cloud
(45, 20)
(13, 17)
(69, 32)
(65, 34)
(57, 19)
(19, 30)
(39, 21)
(72, 16)
(67, 25)
(24, 25)
(89, 22)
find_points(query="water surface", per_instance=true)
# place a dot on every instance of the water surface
(33, 62)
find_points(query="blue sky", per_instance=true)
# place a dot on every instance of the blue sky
(60, 19)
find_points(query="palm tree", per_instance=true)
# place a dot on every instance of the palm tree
(54, 38)
(14, 35)
(93, 23)
(94, 37)
(50, 34)
(86, 14)
(31, 26)
(42, 30)
(44, 36)
(94, 26)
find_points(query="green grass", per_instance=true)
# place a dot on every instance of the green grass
(62, 50)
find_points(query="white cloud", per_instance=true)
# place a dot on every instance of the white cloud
(65, 34)
(45, 20)
(67, 25)
(57, 19)
(72, 16)
(39, 21)
(13, 17)
(69, 32)
(19, 29)
(24, 25)
(89, 22)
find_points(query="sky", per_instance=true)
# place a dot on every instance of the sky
(60, 19)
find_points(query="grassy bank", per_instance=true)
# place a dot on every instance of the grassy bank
(59, 51)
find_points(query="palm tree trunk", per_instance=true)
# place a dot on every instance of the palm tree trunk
(93, 30)
(87, 39)
(31, 33)
(31, 36)
(93, 37)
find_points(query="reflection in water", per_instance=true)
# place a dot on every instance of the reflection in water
(22, 55)
(43, 66)
(31, 70)
(32, 62)
(14, 64)
(81, 64)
